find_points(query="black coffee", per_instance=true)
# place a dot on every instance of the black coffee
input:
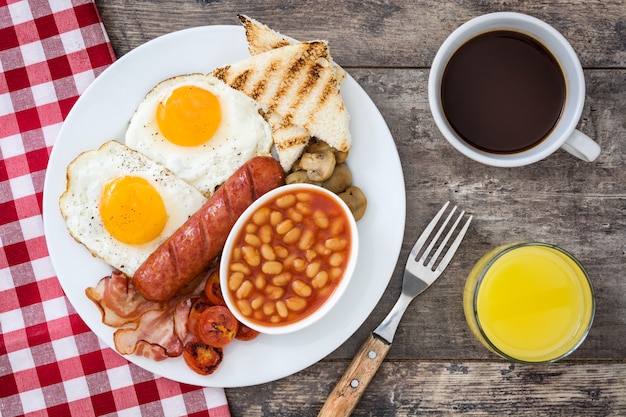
(502, 92)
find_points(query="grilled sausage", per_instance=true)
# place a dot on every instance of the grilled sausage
(179, 259)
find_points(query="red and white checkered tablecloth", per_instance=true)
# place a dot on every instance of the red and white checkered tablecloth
(50, 362)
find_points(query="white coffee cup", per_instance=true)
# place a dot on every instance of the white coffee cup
(563, 135)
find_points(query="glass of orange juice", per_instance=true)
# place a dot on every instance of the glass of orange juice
(529, 302)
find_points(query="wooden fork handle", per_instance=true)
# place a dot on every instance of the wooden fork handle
(348, 391)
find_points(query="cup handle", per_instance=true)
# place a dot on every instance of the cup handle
(581, 146)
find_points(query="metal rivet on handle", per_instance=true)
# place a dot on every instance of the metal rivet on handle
(354, 383)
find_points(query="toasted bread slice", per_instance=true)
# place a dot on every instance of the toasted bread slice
(299, 90)
(290, 140)
(261, 38)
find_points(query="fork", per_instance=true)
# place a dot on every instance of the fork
(419, 274)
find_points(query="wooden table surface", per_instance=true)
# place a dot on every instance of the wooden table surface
(435, 365)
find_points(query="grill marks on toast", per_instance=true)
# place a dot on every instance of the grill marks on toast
(241, 80)
(260, 87)
(261, 38)
(294, 84)
(287, 138)
(305, 88)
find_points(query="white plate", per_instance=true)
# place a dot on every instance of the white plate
(102, 113)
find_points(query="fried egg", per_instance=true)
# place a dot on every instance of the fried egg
(121, 205)
(200, 128)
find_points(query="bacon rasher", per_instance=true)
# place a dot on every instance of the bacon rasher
(156, 330)
(119, 302)
(158, 333)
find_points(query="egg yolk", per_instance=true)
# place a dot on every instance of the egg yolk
(189, 116)
(132, 210)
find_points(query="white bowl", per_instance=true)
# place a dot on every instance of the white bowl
(332, 299)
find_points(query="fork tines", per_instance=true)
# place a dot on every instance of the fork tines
(442, 243)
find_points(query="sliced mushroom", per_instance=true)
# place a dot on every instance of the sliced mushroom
(319, 146)
(356, 201)
(340, 156)
(296, 166)
(339, 180)
(299, 177)
(318, 165)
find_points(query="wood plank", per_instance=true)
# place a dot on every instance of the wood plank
(374, 33)
(448, 388)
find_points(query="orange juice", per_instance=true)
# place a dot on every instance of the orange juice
(529, 302)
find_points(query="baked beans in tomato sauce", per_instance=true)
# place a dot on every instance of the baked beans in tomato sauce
(289, 257)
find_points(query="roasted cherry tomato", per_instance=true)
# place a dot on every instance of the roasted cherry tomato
(202, 358)
(245, 333)
(217, 326)
(212, 288)
(197, 308)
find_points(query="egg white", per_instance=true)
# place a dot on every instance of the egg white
(243, 134)
(88, 174)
